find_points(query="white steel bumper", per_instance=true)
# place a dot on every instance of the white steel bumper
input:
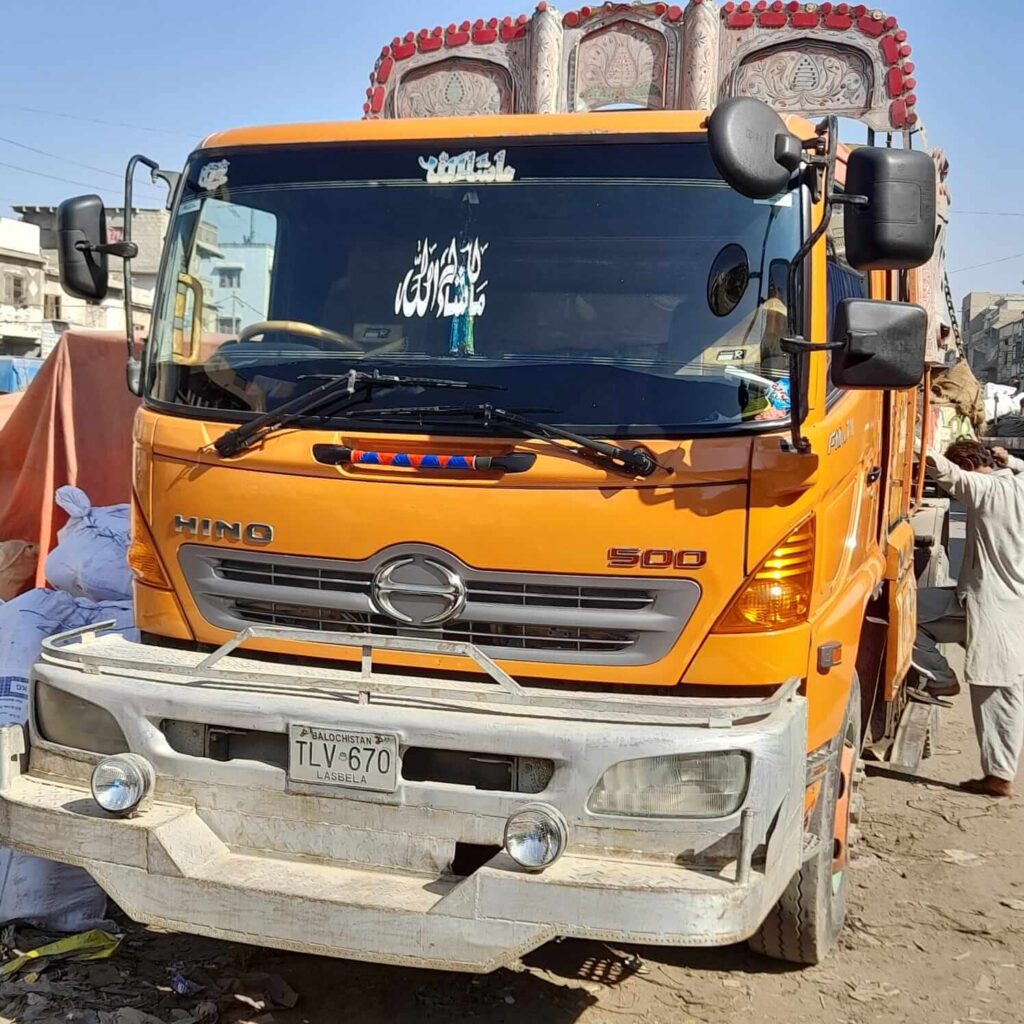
(234, 850)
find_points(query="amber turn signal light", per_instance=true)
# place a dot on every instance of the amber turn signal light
(143, 559)
(778, 594)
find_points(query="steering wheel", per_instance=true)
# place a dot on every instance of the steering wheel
(303, 330)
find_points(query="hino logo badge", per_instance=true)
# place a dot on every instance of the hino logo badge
(418, 591)
(257, 534)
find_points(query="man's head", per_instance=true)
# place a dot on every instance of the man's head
(971, 455)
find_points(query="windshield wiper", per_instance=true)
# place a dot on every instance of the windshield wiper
(357, 385)
(629, 461)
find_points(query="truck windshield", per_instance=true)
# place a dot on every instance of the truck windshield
(616, 287)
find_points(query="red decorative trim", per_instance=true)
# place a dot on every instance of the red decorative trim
(483, 36)
(890, 50)
(839, 21)
(870, 26)
(806, 19)
(675, 13)
(377, 100)
(456, 38)
(430, 42)
(894, 83)
(740, 19)
(384, 70)
(403, 51)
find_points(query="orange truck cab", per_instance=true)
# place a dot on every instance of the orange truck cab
(521, 500)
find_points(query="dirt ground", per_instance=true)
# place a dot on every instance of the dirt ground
(936, 934)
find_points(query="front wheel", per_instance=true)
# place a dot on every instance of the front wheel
(804, 926)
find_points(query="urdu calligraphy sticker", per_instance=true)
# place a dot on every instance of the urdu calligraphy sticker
(470, 168)
(444, 281)
(213, 175)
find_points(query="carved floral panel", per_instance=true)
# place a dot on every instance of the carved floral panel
(818, 78)
(455, 88)
(623, 63)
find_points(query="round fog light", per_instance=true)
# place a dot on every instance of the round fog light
(121, 783)
(535, 836)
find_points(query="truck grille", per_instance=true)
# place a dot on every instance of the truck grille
(512, 616)
(483, 634)
(275, 574)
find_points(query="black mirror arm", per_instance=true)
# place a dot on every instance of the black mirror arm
(126, 250)
(797, 346)
(827, 142)
(134, 368)
(845, 200)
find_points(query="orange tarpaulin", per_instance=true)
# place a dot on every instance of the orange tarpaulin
(73, 425)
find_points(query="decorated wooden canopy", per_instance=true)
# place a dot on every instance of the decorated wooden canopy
(803, 58)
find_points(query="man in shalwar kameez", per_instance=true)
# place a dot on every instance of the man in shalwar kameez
(985, 612)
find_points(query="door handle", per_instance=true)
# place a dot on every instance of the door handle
(874, 475)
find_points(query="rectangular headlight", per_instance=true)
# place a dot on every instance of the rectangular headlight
(70, 721)
(708, 785)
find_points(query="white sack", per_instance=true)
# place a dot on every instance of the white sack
(55, 897)
(91, 557)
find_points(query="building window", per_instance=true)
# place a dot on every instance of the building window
(229, 324)
(14, 290)
(51, 307)
(229, 277)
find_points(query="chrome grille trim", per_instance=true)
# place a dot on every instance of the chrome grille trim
(587, 620)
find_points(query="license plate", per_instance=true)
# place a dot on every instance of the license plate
(341, 757)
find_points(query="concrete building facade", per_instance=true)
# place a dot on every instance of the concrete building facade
(22, 288)
(989, 331)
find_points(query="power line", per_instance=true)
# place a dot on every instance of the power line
(55, 177)
(67, 160)
(986, 213)
(62, 159)
(97, 120)
(67, 181)
(990, 263)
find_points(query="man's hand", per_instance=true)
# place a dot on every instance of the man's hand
(1001, 456)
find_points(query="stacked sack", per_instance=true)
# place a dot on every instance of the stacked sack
(88, 570)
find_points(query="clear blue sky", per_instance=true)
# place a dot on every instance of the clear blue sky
(170, 74)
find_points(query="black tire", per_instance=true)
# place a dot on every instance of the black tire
(804, 926)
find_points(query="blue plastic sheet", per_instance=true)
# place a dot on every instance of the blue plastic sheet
(17, 373)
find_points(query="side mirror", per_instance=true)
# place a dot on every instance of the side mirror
(81, 232)
(883, 345)
(752, 148)
(895, 230)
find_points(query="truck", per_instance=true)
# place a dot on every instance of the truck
(521, 502)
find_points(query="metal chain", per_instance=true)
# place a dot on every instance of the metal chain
(954, 323)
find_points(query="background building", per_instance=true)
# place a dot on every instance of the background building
(56, 311)
(992, 323)
(22, 288)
